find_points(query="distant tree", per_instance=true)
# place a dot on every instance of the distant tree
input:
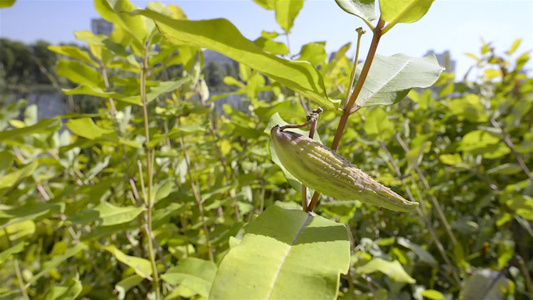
(215, 76)
(45, 61)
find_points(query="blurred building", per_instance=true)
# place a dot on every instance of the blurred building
(101, 26)
(444, 60)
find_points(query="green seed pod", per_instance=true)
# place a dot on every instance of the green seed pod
(325, 171)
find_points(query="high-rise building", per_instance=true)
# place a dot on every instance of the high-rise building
(444, 60)
(101, 26)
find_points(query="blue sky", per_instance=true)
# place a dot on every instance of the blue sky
(457, 26)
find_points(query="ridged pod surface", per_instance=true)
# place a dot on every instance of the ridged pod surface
(325, 171)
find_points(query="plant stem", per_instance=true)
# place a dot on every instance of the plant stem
(353, 97)
(198, 199)
(421, 215)
(434, 201)
(511, 146)
(149, 170)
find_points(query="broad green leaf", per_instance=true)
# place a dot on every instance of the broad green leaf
(222, 36)
(273, 250)
(273, 47)
(117, 12)
(364, 9)
(393, 270)
(57, 260)
(69, 292)
(10, 179)
(86, 128)
(286, 109)
(451, 159)
(315, 53)
(286, 12)
(522, 205)
(162, 190)
(32, 212)
(80, 73)
(107, 214)
(16, 233)
(141, 266)
(193, 273)
(405, 11)
(74, 52)
(470, 108)
(433, 295)
(485, 143)
(13, 250)
(6, 3)
(390, 78)
(484, 284)
(43, 126)
(164, 87)
(377, 125)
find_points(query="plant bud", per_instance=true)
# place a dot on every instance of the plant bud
(325, 171)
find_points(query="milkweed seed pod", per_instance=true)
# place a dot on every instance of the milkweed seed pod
(325, 171)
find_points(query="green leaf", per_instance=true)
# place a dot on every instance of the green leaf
(451, 159)
(43, 126)
(393, 270)
(80, 73)
(222, 36)
(470, 108)
(522, 205)
(405, 11)
(12, 250)
(390, 78)
(377, 125)
(506, 169)
(315, 53)
(126, 284)
(74, 52)
(267, 264)
(27, 212)
(94, 91)
(69, 292)
(273, 47)
(514, 47)
(57, 260)
(86, 128)
(164, 87)
(286, 12)
(141, 266)
(484, 284)
(527, 143)
(195, 274)
(364, 9)
(107, 214)
(6, 3)
(422, 253)
(433, 295)
(415, 155)
(485, 143)
(12, 178)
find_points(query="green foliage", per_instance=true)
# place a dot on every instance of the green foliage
(162, 192)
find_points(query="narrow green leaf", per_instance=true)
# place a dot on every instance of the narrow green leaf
(13, 250)
(514, 46)
(43, 126)
(390, 78)
(193, 273)
(74, 52)
(222, 36)
(69, 292)
(86, 128)
(12, 178)
(94, 91)
(107, 214)
(364, 9)
(273, 250)
(433, 295)
(32, 212)
(451, 159)
(286, 12)
(141, 266)
(56, 261)
(393, 270)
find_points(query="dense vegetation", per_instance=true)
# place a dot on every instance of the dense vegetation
(156, 194)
